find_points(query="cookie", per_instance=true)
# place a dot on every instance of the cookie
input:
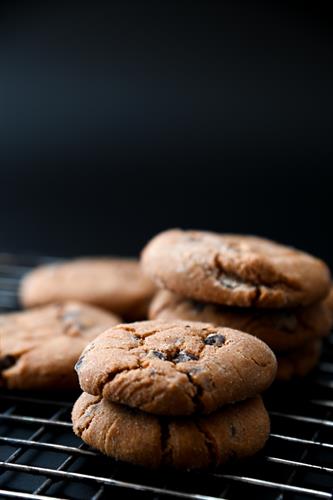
(175, 368)
(329, 300)
(244, 271)
(298, 362)
(114, 284)
(39, 347)
(281, 329)
(233, 432)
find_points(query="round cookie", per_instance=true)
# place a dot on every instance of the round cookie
(282, 330)
(244, 271)
(39, 347)
(175, 368)
(114, 284)
(298, 362)
(233, 432)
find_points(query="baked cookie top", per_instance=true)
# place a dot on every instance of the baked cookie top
(176, 367)
(233, 432)
(39, 347)
(234, 270)
(114, 284)
(281, 329)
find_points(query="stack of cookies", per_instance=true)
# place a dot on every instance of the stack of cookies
(281, 295)
(182, 389)
(174, 393)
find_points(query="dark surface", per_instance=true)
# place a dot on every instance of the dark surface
(119, 120)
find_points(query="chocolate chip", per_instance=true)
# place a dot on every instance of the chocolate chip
(215, 339)
(158, 354)
(183, 356)
(233, 430)
(6, 362)
(79, 363)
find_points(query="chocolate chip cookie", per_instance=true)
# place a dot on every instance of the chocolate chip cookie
(299, 362)
(281, 329)
(39, 347)
(235, 270)
(117, 285)
(233, 432)
(176, 367)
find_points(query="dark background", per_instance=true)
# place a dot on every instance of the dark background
(120, 120)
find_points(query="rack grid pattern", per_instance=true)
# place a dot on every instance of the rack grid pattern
(41, 458)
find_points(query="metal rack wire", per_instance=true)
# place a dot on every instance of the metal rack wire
(41, 458)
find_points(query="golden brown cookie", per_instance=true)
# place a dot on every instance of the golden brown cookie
(39, 348)
(299, 362)
(281, 329)
(114, 284)
(233, 432)
(175, 368)
(244, 271)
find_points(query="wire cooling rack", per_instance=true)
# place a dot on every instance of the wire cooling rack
(41, 458)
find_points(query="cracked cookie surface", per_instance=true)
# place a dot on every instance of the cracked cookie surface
(39, 347)
(114, 284)
(299, 362)
(233, 432)
(234, 270)
(282, 330)
(176, 367)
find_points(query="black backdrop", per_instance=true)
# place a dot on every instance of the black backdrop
(120, 120)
